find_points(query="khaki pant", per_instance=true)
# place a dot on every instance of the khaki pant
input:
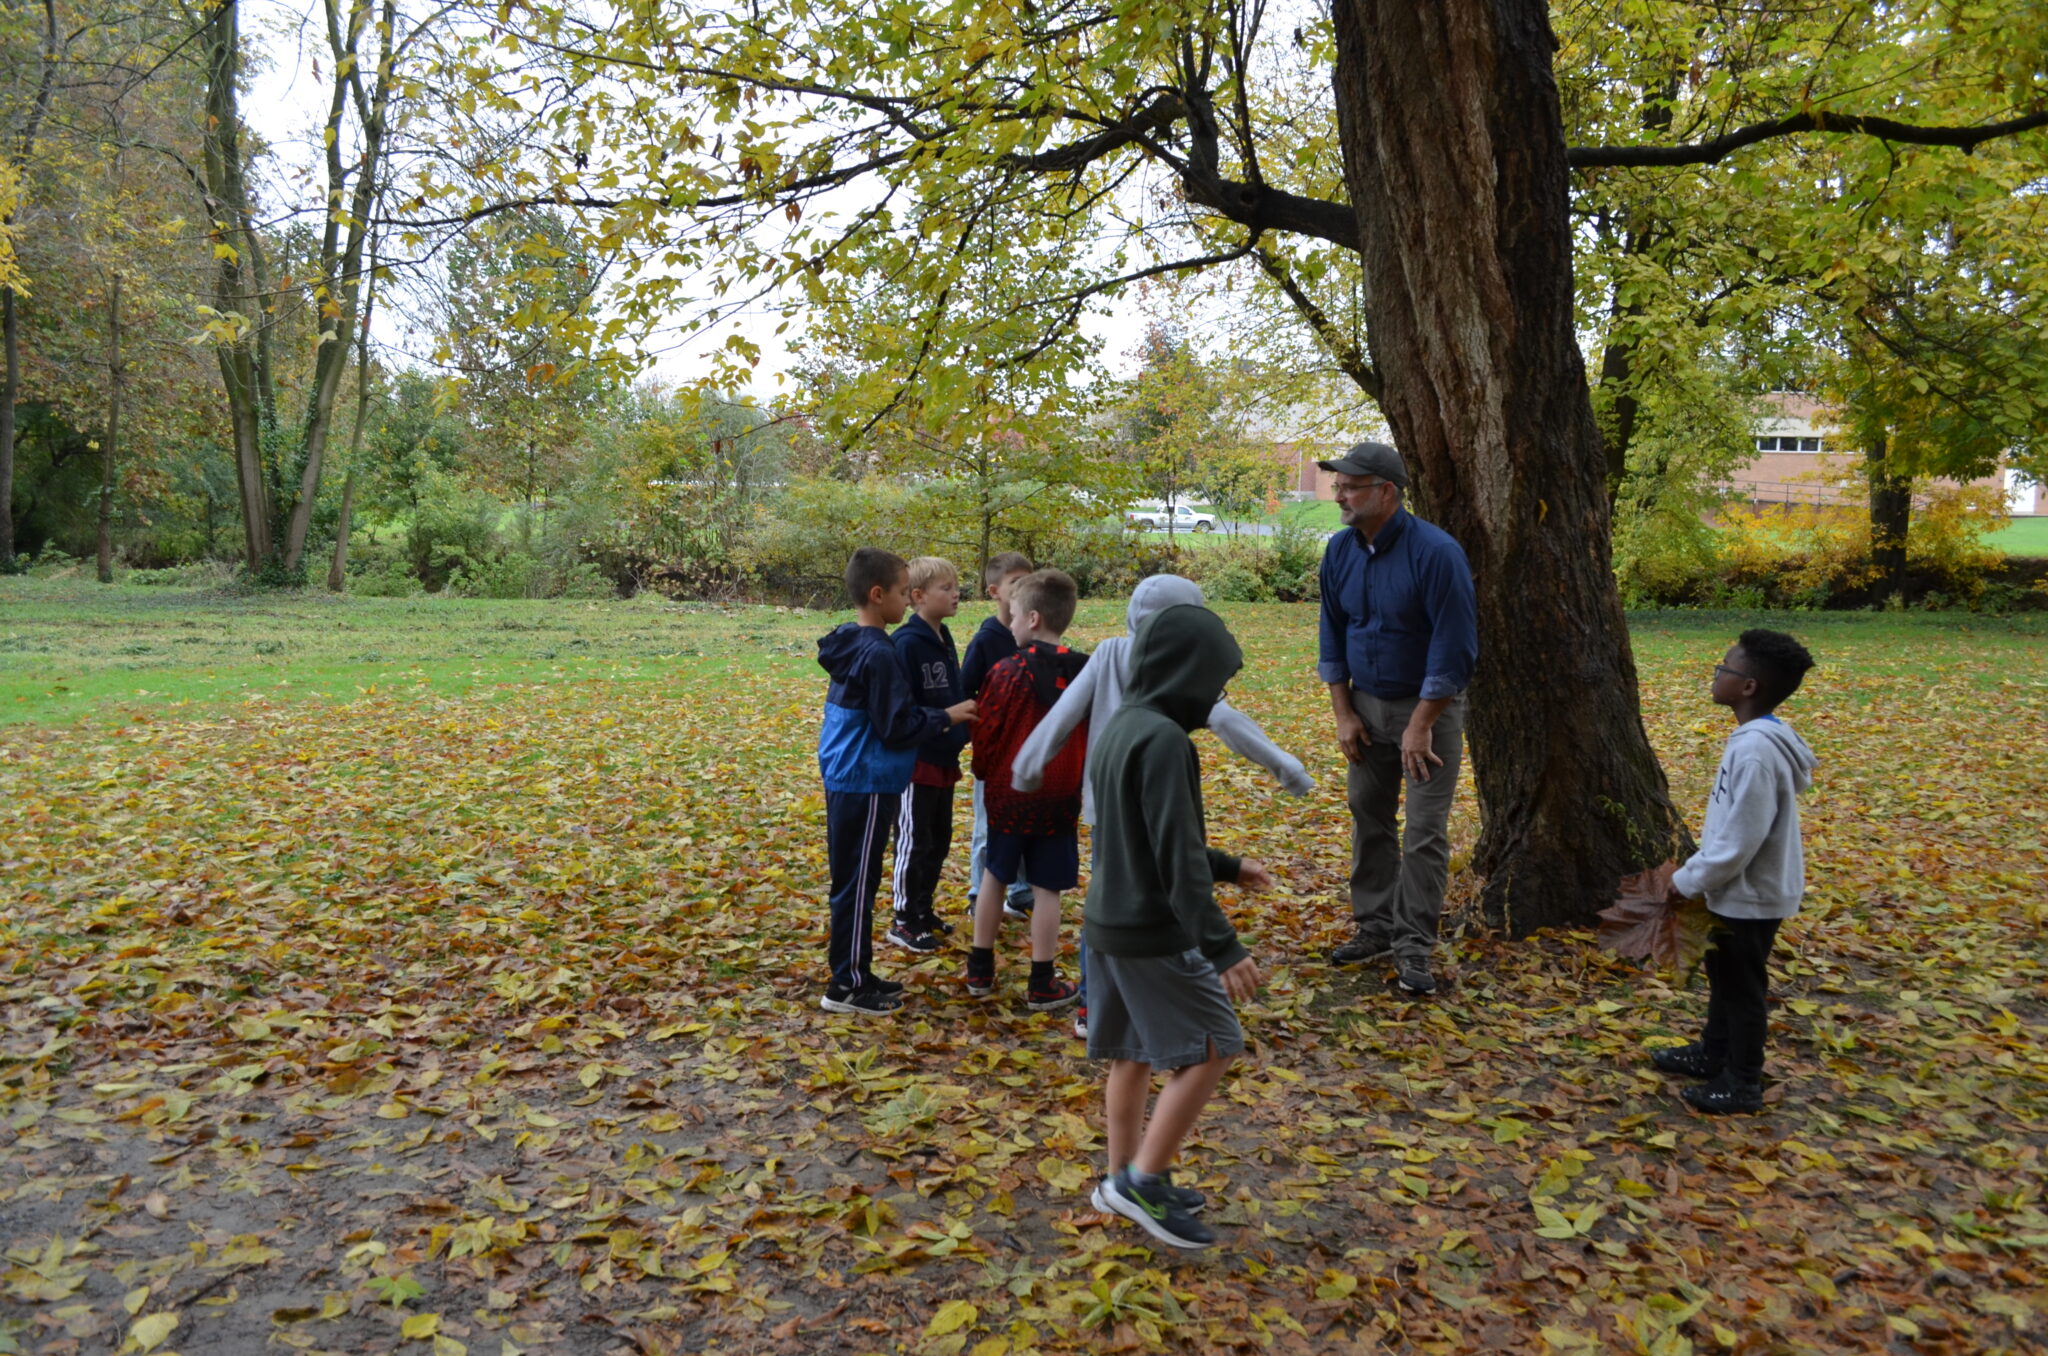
(1397, 878)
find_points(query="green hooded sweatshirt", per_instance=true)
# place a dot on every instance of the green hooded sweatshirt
(1153, 888)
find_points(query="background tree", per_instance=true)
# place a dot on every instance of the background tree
(515, 306)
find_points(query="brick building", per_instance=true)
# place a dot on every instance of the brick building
(1799, 460)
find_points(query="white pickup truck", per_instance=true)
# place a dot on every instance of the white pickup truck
(1155, 519)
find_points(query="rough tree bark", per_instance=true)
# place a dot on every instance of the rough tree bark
(1454, 155)
(10, 392)
(10, 326)
(1891, 515)
(337, 568)
(244, 377)
(110, 445)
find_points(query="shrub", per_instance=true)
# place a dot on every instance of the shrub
(521, 574)
(1279, 568)
(203, 574)
(452, 526)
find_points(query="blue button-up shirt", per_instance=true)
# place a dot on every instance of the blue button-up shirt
(1399, 615)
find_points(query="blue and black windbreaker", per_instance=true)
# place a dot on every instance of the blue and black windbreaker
(873, 723)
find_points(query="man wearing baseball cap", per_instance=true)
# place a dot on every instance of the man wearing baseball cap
(1400, 635)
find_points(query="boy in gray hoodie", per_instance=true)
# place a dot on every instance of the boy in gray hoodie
(1750, 867)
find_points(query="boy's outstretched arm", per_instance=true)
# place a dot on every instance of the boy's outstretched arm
(892, 706)
(1243, 737)
(1027, 769)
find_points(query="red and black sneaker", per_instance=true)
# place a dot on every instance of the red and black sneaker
(1059, 993)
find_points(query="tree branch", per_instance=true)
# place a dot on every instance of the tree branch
(1353, 363)
(1719, 148)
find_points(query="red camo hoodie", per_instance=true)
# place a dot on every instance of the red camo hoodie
(1018, 693)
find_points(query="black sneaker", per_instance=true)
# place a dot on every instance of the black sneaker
(1725, 1096)
(938, 926)
(1416, 979)
(1058, 994)
(1187, 1198)
(869, 1002)
(887, 986)
(1081, 1023)
(980, 985)
(1365, 946)
(1687, 1061)
(1155, 1210)
(912, 938)
(1012, 909)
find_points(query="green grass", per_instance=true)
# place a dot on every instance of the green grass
(2022, 537)
(69, 648)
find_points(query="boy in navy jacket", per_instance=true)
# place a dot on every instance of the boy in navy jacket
(866, 747)
(924, 825)
(991, 645)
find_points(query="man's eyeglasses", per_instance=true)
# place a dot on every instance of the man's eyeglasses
(1720, 669)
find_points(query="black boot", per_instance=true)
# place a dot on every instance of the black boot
(1727, 1095)
(1687, 1061)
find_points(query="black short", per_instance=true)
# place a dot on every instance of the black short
(1050, 863)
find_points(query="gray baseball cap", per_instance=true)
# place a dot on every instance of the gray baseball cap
(1370, 459)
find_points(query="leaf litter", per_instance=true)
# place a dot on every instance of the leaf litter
(486, 1025)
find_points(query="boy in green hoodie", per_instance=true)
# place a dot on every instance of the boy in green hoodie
(1164, 963)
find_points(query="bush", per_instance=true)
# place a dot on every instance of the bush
(1809, 556)
(203, 574)
(454, 525)
(1280, 568)
(520, 574)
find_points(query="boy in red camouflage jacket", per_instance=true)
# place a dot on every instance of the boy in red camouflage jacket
(1033, 835)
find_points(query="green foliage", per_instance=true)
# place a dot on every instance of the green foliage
(1279, 568)
(453, 525)
(1818, 556)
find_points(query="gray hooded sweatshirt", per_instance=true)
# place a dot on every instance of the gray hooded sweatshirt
(1099, 691)
(1750, 863)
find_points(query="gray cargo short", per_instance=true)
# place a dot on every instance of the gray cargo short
(1166, 1011)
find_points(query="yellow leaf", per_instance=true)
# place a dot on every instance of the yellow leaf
(420, 1325)
(150, 1333)
(1909, 1237)
(991, 1346)
(951, 1317)
(135, 1299)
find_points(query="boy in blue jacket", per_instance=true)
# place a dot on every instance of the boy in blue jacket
(924, 826)
(866, 747)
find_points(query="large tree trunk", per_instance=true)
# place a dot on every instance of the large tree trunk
(110, 446)
(1455, 160)
(10, 325)
(1891, 516)
(244, 377)
(10, 391)
(337, 568)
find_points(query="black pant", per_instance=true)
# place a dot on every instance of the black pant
(857, 825)
(1738, 979)
(924, 835)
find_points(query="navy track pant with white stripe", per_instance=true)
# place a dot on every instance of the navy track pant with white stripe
(924, 835)
(857, 825)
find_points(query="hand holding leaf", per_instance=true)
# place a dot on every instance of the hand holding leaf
(1650, 920)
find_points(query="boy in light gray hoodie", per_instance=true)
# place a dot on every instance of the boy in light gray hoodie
(1094, 697)
(1750, 867)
